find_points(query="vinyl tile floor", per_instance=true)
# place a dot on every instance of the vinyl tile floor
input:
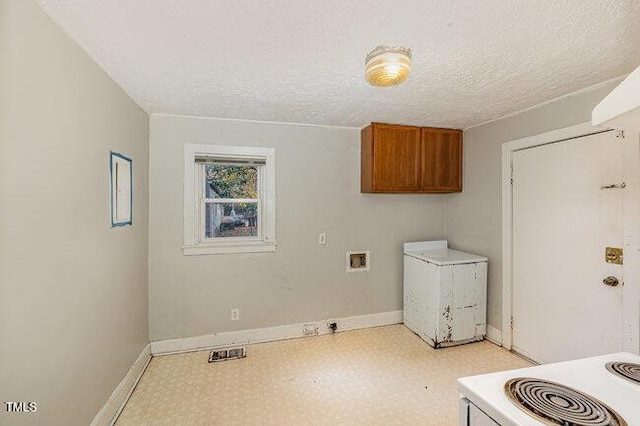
(375, 376)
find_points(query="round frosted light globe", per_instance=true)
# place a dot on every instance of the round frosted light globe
(387, 66)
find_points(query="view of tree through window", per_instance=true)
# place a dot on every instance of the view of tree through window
(225, 217)
(233, 181)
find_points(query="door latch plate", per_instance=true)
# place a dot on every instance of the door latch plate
(613, 255)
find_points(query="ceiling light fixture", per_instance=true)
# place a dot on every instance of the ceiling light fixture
(387, 66)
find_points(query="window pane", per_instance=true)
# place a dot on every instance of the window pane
(224, 181)
(231, 220)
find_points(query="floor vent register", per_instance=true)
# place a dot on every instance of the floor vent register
(227, 354)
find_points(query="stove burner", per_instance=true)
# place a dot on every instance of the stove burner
(556, 404)
(626, 370)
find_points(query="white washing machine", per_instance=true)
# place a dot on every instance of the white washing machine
(445, 293)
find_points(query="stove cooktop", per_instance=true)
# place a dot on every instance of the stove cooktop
(556, 404)
(626, 370)
(588, 376)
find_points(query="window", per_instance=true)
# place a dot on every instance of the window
(229, 199)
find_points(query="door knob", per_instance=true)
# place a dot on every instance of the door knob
(611, 281)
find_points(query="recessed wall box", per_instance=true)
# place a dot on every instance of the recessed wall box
(358, 261)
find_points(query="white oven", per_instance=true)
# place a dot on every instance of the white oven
(470, 415)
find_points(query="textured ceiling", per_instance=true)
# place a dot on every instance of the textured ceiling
(302, 61)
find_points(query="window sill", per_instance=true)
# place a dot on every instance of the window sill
(229, 248)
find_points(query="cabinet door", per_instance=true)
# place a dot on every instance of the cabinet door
(441, 160)
(396, 158)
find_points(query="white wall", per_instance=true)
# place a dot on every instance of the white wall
(318, 190)
(73, 291)
(473, 217)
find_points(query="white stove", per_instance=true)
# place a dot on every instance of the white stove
(600, 393)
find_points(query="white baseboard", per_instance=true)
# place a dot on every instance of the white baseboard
(189, 344)
(114, 405)
(494, 335)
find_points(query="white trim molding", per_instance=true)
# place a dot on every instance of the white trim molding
(115, 404)
(631, 243)
(494, 335)
(258, 335)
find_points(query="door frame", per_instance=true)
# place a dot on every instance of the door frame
(630, 228)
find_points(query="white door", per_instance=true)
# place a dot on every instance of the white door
(562, 222)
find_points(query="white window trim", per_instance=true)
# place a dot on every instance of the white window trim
(192, 244)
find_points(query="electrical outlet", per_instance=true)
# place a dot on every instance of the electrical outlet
(310, 329)
(322, 238)
(235, 314)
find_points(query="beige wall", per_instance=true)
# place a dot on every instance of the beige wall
(317, 185)
(473, 218)
(73, 291)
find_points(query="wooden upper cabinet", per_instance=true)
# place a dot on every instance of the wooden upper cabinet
(441, 160)
(392, 158)
(409, 159)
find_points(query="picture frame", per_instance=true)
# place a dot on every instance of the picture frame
(121, 190)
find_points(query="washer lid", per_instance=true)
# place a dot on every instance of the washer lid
(445, 256)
